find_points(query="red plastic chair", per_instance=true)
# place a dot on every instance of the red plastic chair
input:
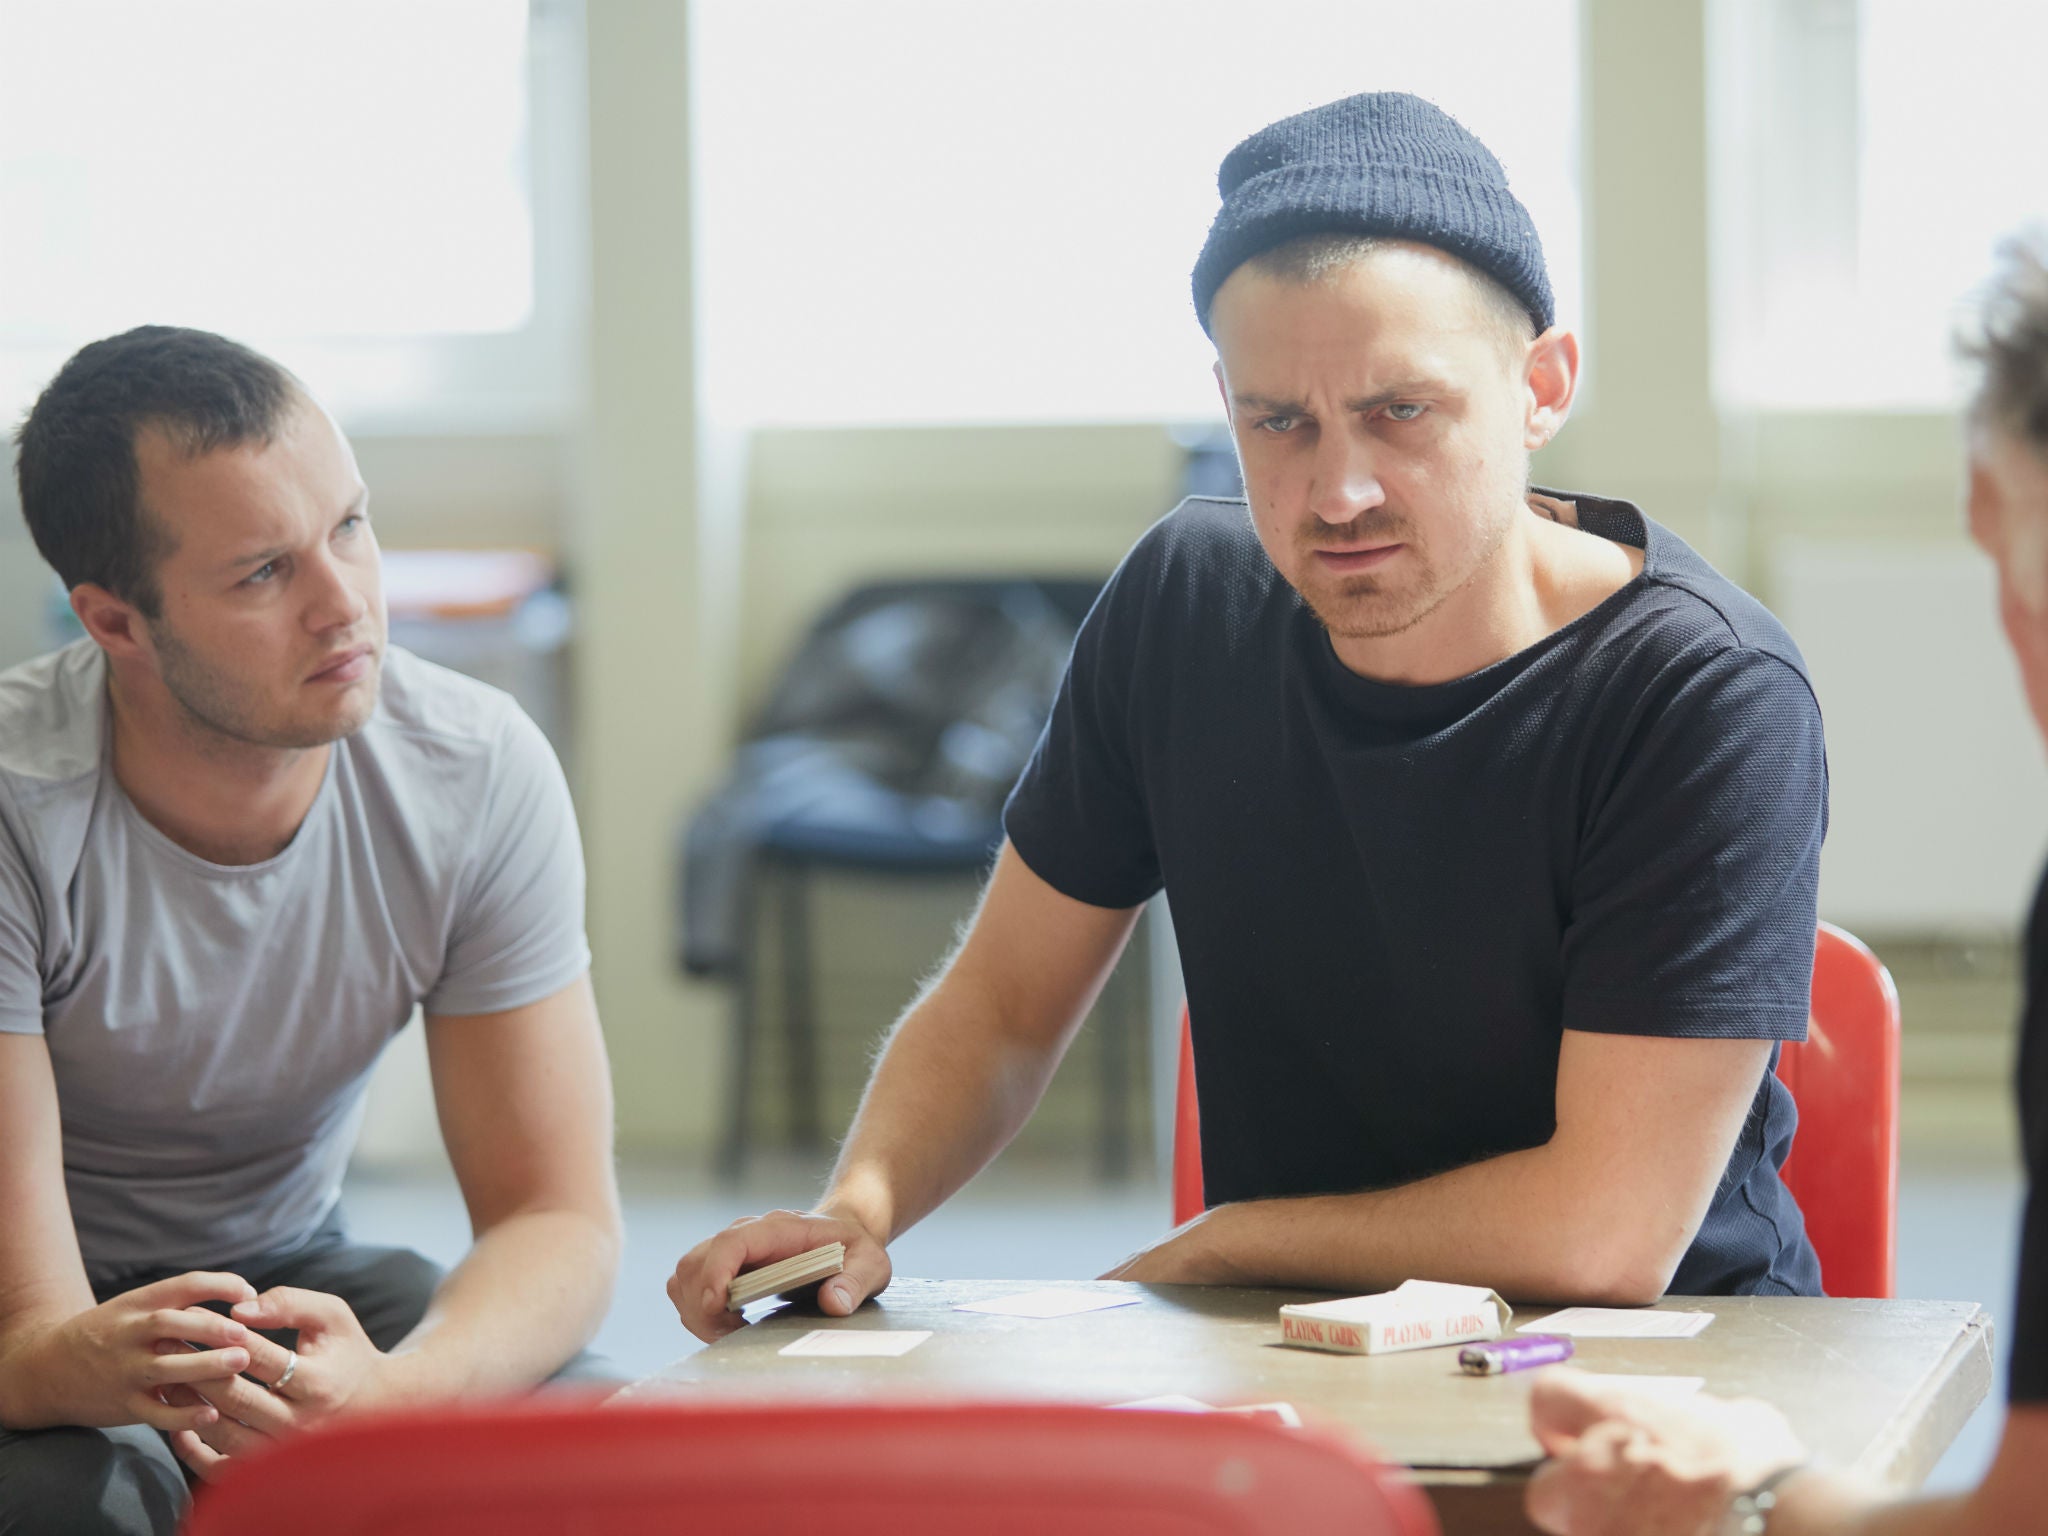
(1844, 1165)
(545, 1469)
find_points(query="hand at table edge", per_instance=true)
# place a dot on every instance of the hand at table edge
(1194, 1253)
(699, 1285)
(1623, 1463)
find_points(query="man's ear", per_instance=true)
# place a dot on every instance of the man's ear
(115, 625)
(1553, 380)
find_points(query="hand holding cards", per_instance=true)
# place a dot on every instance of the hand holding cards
(798, 1270)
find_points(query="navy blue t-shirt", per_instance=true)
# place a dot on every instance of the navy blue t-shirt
(1391, 901)
(2029, 1379)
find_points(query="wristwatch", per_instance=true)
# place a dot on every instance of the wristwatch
(1750, 1513)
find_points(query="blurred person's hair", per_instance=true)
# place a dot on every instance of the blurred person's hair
(75, 459)
(2009, 343)
(1310, 258)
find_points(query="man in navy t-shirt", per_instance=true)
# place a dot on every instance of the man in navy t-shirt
(1490, 817)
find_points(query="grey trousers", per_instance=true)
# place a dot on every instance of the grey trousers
(126, 1482)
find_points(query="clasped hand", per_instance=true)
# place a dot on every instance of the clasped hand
(114, 1363)
(337, 1366)
(158, 1355)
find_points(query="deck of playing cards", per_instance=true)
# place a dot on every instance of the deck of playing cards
(1417, 1314)
(786, 1275)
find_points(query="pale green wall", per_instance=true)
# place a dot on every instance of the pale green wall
(689, 599)
(648, 743)
(824, 508)
(1647, 431)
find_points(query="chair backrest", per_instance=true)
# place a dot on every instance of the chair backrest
(1188, 1199)
(1844, 1165)
(847, 1469)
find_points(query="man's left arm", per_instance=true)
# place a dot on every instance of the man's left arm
(1602, 1212)
(524, 1099)
(1688, 953)
(525, 1103)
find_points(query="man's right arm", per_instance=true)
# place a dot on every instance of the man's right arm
(64, 1360)
(1623, 1465)
(962, 1072)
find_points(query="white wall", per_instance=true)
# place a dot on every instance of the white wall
(1937, 786)
(682, 622)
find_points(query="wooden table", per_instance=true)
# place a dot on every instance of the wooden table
(1877, 1386)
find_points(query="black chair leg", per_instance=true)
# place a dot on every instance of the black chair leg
(799, 1018)
(732, 1151)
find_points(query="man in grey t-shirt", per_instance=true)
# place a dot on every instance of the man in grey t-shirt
(239, 842)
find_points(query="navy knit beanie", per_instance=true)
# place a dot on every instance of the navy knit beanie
(1385, 163)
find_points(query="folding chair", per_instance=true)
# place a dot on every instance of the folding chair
(1844, 1165)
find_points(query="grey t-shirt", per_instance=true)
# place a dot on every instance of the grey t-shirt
(211, 1027)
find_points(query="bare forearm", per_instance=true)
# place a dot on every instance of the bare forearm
(1601, 1212)
(1620, 1463)
(1530, 1224)
(1822, 1503)
(29, 1398)
(950, 1091)
(529, 1294)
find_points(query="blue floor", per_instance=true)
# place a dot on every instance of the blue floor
(1959, 1241)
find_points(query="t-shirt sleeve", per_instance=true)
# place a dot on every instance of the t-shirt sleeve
(2029, 1379)
(518, 934)
(1693, 907)
(2028, 1382)
(21, 973)
(1077, 816)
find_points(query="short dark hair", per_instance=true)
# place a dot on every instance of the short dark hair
(1311, 258)
(75, 454)
(2009, 343)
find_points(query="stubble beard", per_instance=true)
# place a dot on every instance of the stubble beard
(1370, 608)
(213, 706)
(1367, 608)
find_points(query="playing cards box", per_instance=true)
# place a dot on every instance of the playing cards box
(1417, 1314)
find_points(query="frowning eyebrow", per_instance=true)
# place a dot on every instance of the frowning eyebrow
(1406, 389)
(262, 557)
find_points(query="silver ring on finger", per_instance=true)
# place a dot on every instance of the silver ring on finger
(291, 1364)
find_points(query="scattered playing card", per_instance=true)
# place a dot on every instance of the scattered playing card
(841, 1342)
(1277, 1413)
(1175, 1402)
(1648, 1386)
(1049, 1303)
(1620, 1323)
(1172, 1402)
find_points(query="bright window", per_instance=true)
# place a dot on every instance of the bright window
(921, 210)
(1869, 154)
(349, 184)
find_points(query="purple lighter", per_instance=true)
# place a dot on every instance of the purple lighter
(1500, 1356)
